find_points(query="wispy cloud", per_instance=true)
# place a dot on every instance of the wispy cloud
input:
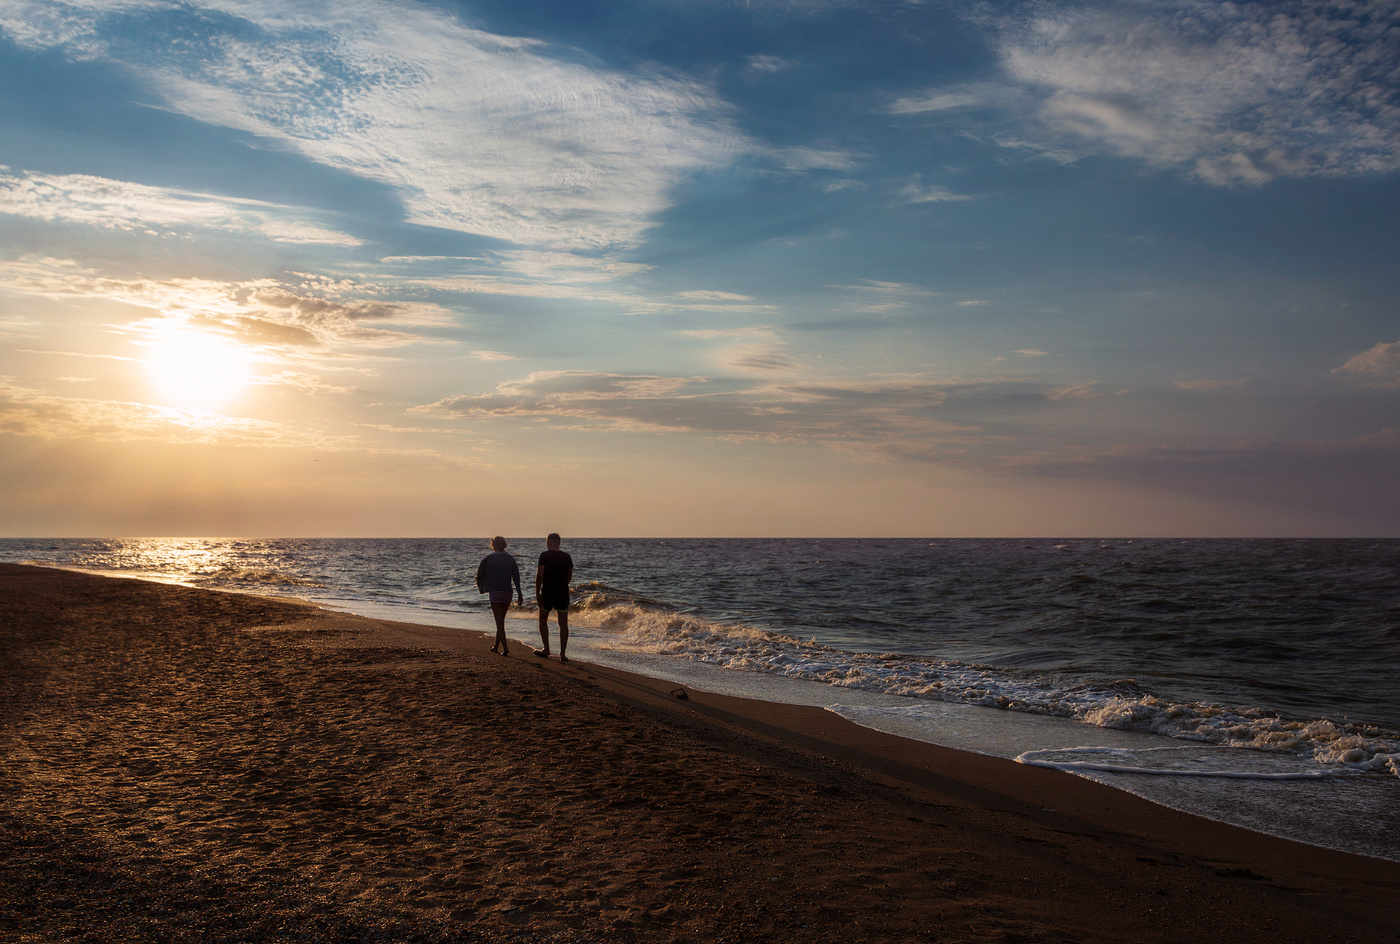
(893, 419)
(1234, 93)
(764, 332)
(28, 412)
(764, 362)
(1201, 385)
(885, 296)
(101, 357)
(262, 312)
(710, 296)
(807, 158)
(566, 268)
(435, 430)
(916, 191)
(136, 208)
(750, 349)
(766, 65)
(1081, 391)
(935, 101)
(477, 132)
(1231, 93)
(1381, 362)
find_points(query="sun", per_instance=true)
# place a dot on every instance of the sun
(197, 371)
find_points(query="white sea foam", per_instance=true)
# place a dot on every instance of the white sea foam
(1179, 762)
(1119, 705)
(1269, 791)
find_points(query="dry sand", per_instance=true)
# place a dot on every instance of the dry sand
(183, 765)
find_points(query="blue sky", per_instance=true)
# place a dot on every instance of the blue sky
(695, 268)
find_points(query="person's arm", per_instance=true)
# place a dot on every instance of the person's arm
(539, 579)
(569, 573)
(515, 575)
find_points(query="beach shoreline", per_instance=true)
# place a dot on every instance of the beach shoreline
(192, 765)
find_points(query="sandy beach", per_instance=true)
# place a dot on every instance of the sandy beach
(185, 765)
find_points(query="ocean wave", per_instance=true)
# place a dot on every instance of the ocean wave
(1121, 704)
(1178, 762)
(597, 596)
(251, 578)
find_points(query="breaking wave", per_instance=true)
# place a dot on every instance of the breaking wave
(1122, 704)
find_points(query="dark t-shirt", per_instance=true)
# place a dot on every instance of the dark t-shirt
(556, 567)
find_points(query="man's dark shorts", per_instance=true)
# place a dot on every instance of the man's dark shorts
(554, 600)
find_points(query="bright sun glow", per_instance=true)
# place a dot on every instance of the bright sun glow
(197, 371)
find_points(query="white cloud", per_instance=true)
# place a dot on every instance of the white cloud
(525, 273)
(1381, 361)
(806, 158)
(477, 132)
(878, 287)
(299, 380)
(130, 207)
(958, 97)
(750, 349)
(918, 192)
(566, 267)
(762, 361)
(1032, 352)
(702, 295)
(764, 332)
(935, 101)
(103, 357)
(767, 64)
(266, 313)
(572, 278)
(1082, 391)
(1231, 92)
(521, 287)
(885, 296)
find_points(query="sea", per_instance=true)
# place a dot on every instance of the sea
(1252, 682)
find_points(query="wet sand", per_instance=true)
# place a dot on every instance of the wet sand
(183, 765)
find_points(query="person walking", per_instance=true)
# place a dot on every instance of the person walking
(494, 576)
(552, 579)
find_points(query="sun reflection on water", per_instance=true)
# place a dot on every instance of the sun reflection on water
(169, 560)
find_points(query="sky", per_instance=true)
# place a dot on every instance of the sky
(699, 268)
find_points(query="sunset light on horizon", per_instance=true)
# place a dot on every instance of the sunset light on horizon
(772, 268)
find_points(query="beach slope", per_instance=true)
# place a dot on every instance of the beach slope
(184, 765)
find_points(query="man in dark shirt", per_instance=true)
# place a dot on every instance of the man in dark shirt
(552, 592)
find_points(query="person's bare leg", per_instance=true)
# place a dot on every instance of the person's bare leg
(498, 610)
(544, 634)
(563, 634)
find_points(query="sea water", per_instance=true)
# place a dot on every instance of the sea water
(1255, 682)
